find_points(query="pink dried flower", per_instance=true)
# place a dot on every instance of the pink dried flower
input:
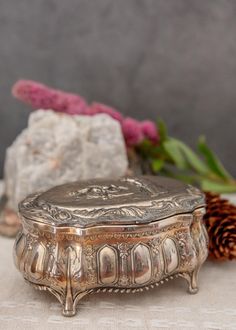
(132, 131)
(149, 130)
(96, 108)
(41, 96)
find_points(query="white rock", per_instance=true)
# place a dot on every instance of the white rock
(58, 148)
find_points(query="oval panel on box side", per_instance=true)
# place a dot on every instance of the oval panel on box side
(142, 266)
(37, 263)
(171, 255)
(19, 249)
(108, 268)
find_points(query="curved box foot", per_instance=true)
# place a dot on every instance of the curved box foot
(69, 306)
(192, 280)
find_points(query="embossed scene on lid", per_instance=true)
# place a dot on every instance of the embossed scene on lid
(129, 200)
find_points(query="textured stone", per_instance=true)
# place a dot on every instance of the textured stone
(58, 148)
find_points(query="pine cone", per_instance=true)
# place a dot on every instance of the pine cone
(220, 221)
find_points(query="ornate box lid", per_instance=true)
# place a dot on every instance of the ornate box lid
(129, 200)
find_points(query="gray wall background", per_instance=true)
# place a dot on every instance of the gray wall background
(170, 58)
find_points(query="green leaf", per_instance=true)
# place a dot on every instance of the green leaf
(157, 164)
(162, 130)
(208, 185)
(212, 160)
(174, 158)
(175, 153)
(192, 158)
(148, 150)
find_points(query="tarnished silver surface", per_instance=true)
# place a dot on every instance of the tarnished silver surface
(118, 236)
(125, 201)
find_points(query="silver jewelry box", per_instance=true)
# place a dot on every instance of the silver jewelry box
(125, 235)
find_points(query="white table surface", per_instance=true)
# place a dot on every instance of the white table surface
(167, 307)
